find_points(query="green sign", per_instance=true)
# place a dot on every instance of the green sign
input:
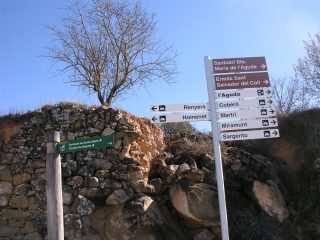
(85, 144)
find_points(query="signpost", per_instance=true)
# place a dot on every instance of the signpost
(238, 90)
(85, 144)
(238, 81)
(248, 103)
(245, 135)
(186, 107)
(181, 117)
(239, 99)
(246, 113)
(53, 168)
(217, 151)
(243, 93)
(236, 65)
(54, 188)
(247, 124)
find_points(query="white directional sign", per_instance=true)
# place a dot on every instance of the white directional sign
(248, 103)
(243, 93)
(246, 113)
(239, 98)
(245, 135)
(247, 124)
(180, 107)
(181, 117)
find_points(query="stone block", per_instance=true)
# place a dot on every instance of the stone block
(22, 189)
(82, 206)
(6, 231)
(102, 173)
(71, 136)
(135, 173)
(94, 192)
(28, 227)
(91, 182)
(6, 188)
(33, 203)
(21, 178)
(4, 200)
(76, 181)
(117, 197)
(37, 163)
(33, 236)
(100, 163)
(157, 184)
(107, 131)
(5, 173)
(14, 214)
(67, 195)
(18, 202)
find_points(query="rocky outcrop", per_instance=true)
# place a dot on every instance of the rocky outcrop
(198, 203)
(140, 218)
(143, 189)
(270, 199)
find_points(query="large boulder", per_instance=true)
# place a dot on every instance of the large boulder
(197, 203)
(270, 199)
(141, 218)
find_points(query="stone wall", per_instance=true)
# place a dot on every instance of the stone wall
(142, 189)
(91, 179)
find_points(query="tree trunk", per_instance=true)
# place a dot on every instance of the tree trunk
(101, 99)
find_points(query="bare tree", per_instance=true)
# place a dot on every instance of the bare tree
(110, 46)
(308, 67)
(290, 94)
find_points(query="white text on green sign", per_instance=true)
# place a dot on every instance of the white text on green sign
(85, 144)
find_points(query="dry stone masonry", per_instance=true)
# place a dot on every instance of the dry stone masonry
(146, 188)
(90, 178)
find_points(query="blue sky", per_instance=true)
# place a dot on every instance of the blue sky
(217, 28)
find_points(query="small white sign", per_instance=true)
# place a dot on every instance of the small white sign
(243, 93)
(247, 124)
(248, 103)
(185, 107)
(181, 117)
(246, 113)
(245, 135)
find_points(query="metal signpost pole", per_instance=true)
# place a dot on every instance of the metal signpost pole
(217, 151)
(54, 189)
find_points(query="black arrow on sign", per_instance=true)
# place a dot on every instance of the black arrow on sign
(270, 101)
(268, 91)
(271, 111)
(154, 108)
(275, 133)
(154, 119)
(273, 122)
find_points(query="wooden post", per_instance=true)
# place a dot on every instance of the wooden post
(54, 189)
